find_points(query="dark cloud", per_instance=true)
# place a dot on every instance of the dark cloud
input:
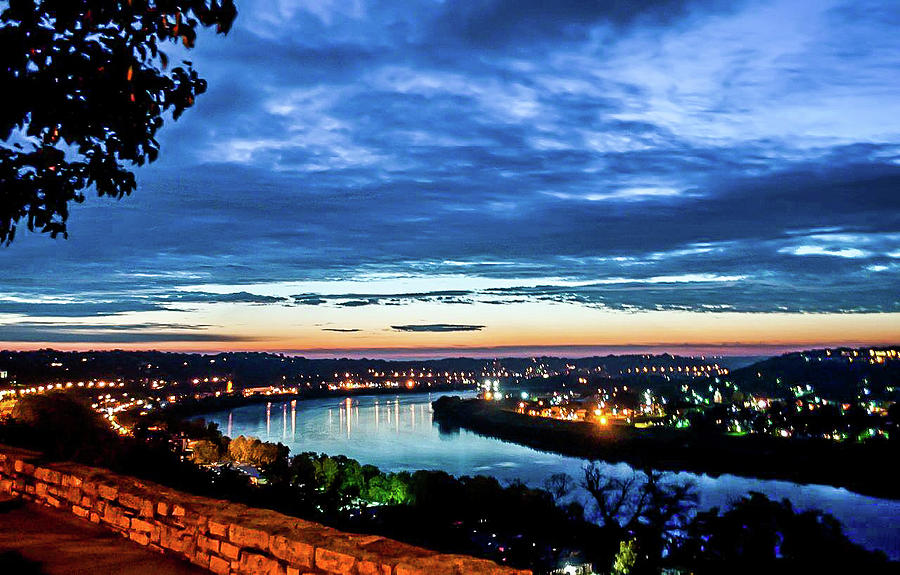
(436, 327)
(149, 332)
(115, 303)
(504, 22)
(341, 329)
(77, 309)
(236, 297)
(357, 302)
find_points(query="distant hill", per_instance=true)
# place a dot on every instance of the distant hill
(843, 374)
(257, 368)
(836, 374)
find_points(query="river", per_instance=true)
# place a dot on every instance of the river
(396, 433)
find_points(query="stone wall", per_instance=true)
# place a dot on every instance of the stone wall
(225, 538)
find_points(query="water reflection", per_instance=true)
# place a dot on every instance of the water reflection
(293, 419)
(372, 430)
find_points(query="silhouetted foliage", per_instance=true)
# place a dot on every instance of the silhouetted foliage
(759, 535)
(85, 86)
(62, 427)
(650, 510)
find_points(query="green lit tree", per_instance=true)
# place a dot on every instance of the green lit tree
(626, 558)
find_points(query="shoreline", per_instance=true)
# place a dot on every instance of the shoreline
(857, 468)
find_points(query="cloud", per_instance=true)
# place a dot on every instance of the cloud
(356, 303)
(502, 22)
(821, 251)
(359, 300)
(342, 329)
(77, 308)
(436, 327)
(236, 297)
(58, 332)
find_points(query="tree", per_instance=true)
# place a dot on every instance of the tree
(206, 452)
(757, 534)
(236, 448)
(559, 485)
(64, 427)
(86, 86)
(626, 558)
(652, 510)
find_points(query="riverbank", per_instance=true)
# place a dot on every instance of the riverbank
(857, 467)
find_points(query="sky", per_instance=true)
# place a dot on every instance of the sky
(501, 177)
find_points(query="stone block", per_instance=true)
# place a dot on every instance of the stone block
(229, 551)
(162, 508)
(48, 475)
(139, 538)
(248, 537)
(108, 492)
(129, 500)
(80, 511)
(293, 552)
(208, 544)
(73, 494)
(141, 525)
(256, 564)
(218, 529)
(219, 566)
(194, 520)
(170, 539)
(110, 513)
(122, 521)
(334, 561)
(366, 567)
(201, 559)
(423, 566)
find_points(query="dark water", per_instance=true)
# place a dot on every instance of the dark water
(396, 433)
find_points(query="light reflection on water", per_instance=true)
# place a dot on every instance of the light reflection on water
(396, 433)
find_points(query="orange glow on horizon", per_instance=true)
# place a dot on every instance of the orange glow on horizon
(509, 330)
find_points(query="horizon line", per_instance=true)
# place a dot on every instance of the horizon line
(487, 352)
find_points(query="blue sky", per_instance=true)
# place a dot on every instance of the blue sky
(516, 174)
